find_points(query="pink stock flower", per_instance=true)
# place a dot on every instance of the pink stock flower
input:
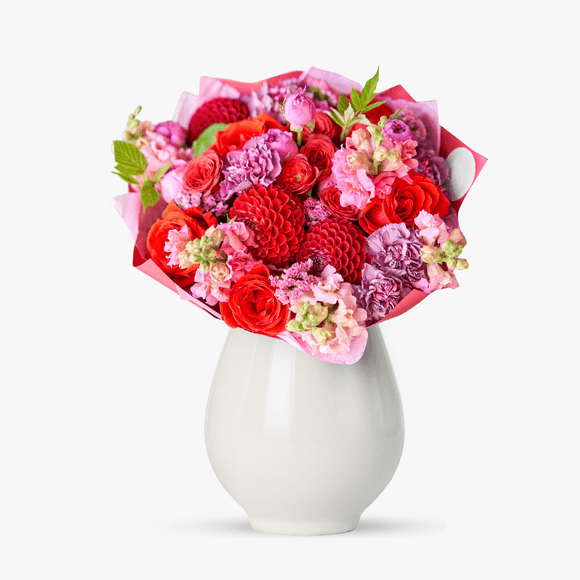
(158, 150)
(350, 168)
(343, 321)
(175, 244)
(360, 140)
(431, 228)
(437, 279)
(212, 287)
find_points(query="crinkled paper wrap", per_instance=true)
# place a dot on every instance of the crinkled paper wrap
(465, 165)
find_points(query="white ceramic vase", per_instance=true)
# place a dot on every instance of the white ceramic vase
(304, 446)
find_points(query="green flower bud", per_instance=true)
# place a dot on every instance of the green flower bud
(382, 122)
(432, 255)
(321, 335)
(451, 263)
(451, 249)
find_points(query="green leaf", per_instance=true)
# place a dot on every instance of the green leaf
(149, 195)
(161, 172)
(126, 178)
(369, 89)
(130, 160)
(373, 106)
(336, 117)
(343, 104)
(207, 138)
(356, 99)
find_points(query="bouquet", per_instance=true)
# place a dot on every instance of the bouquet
(305, 207)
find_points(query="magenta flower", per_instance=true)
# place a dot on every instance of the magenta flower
(282, 142)
(299, 110)
(174, 133)
(397, 130)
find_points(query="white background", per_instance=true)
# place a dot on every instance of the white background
(105, 373)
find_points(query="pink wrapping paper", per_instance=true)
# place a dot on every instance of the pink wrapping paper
(467, 164)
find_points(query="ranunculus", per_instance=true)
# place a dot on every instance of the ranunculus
(404, 203)
(174, 218)
(319, 150)
(299, 109)
(253, 306)
(202, 174)
(235, 135)
(323, 125)
(397, 130)
(330, 199)
(297, 175)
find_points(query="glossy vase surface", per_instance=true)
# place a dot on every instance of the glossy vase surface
(304, 446)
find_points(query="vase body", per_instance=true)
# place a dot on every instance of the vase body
(304, 446)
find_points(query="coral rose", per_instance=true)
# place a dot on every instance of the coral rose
(174, 218)
(253, 306)
(319, 150)
(404, 203)
(235, 135)
(202, 174)
(297, 175)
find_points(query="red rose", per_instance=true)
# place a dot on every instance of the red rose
(319, 150)
(330, 199)
(253, 306)
(202, 174)
(297, 175)
(323, 125)
(236, 134)
(404, 202)
(174, 218)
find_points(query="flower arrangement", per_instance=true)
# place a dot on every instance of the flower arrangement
(306, 207)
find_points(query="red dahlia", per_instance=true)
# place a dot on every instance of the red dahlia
(335, 242)
(277, 219)
(220, 110)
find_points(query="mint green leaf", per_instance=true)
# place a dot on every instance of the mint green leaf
(373, 106)
(161, 172)
(369, 89)
(343, 104)
(207, 138)
(126, 178)
(356, 99)
(129, 159)
(149, 195)
(349, 116)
